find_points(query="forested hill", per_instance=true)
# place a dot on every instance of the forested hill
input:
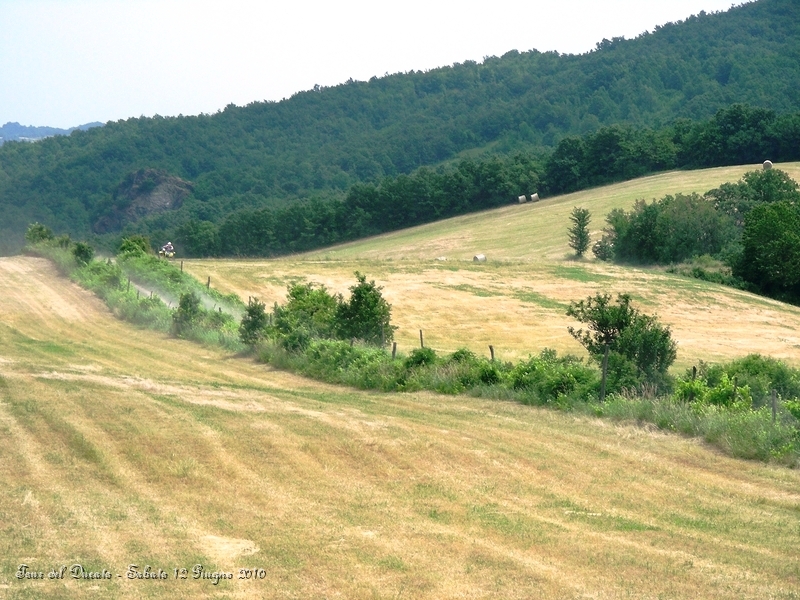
(321, 142)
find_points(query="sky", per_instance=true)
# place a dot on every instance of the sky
(68, 62)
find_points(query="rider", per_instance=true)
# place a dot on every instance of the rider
(168, 247)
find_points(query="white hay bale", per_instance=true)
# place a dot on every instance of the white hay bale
(767, 165)
(479, 258)
(534, 197)
(522, 199)
(441, 258)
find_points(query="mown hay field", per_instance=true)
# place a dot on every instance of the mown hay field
(120, 446)
(517, 300)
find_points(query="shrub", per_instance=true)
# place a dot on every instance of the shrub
(186, 315)
(83, 253)
(463, 355)
(548, 378)
(672, 229)
(135, 245)
(420, 357)
(100, 276)
(630, 336)
(38, 233)
(254, 323)
(603, 249)
(309, 313)
(366, 315)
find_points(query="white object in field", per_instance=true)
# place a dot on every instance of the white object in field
(522, 199)
(534, 197)
(479, 258)
(767, 165)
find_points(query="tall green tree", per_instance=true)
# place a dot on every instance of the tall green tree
(770, 257)
(579, 237)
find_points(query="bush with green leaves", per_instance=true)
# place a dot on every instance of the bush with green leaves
(770, 255)
(83, 253)
(641, 350)
(254, 323)
(100, 276)
(725, 393)
(38, 233)
(187, 315)
(309, 313)
(420, 357)
(760, 374)
(134, 245)
(550, 378)
(366, 315)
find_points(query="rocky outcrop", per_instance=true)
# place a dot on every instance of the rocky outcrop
(143, 193)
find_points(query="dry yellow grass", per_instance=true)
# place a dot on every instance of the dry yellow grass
(516, 302)
(121, 446)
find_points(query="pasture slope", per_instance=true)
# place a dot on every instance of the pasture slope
(120, 446)
(517, 300)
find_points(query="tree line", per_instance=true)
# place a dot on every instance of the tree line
(321, 142)
(611, 154)
(750, 227)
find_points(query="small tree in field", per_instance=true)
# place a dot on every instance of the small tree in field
(640, 348)
(83, 253)
(366, 315)
(38, 233)
(579, 230)
(254, 323)
(187, 314)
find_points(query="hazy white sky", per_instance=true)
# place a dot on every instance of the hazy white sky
(68, 62)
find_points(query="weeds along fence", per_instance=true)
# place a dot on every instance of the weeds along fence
(728, 412)
(212, 321)
(565, 383)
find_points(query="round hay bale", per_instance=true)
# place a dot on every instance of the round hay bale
(479, 258)
(767, 165)
(534, 197)
(522, 199)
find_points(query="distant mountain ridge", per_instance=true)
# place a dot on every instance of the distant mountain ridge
(13, 131)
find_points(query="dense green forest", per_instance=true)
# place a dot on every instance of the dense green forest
(338, 143)
(743, 234)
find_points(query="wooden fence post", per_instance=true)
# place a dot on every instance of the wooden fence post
(394, 350)
(603, 379)
(491, 352)
(691, 391)
(774, 405)
(383, 337)
(208, 284)
(181, 266)
(421, 341)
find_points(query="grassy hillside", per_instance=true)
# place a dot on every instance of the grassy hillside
(516, 301)
(120, 446)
